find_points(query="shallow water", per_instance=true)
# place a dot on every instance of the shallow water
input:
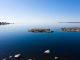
(15, 39)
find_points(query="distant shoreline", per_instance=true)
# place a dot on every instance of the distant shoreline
(4, 23)
(69, 22)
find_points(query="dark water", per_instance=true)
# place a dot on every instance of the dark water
(15, 39)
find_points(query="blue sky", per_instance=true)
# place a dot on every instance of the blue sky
(39, 11)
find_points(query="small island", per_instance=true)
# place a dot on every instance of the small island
(40, 30)
(71, 29)
(4, 23)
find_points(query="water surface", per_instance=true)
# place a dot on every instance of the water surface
(15, 39)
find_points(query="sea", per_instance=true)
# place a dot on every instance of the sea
(16, 39)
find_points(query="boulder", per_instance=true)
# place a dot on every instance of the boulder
(17, 56)
(47, 51)
(4, 59)
(56, 57)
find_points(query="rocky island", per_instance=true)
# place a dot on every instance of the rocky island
(71, 29)
(40, 30)
(4, 23)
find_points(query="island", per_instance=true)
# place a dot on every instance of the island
(75, 29)
(40, 30)
(4, 23)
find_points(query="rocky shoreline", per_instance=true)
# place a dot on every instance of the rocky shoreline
(4, 23)
(71, 29)
(40, 30)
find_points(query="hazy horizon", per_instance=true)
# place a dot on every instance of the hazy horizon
(39, 11)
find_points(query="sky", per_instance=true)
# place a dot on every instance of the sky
(39, 11)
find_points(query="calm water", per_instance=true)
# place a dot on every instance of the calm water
(15, 39)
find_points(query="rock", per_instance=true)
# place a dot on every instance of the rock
(10, 56)
(71, 29)
(47, 51)
(17, 56)
(56, 58)
(30, 59)
(4, 59)
(40, 30)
